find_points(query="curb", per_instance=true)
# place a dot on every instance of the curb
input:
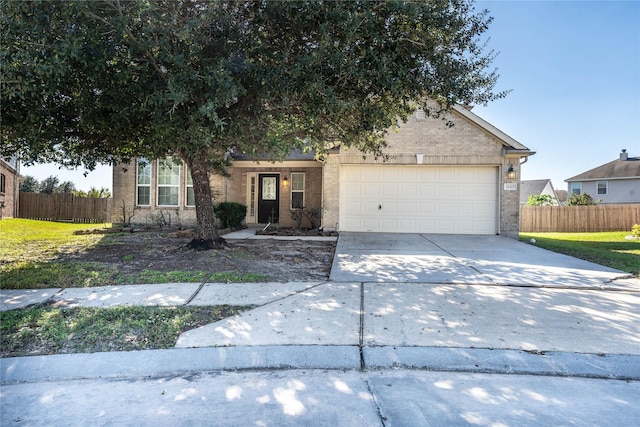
(173, 362)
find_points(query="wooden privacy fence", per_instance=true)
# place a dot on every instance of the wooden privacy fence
(64, 207)
(567, 219)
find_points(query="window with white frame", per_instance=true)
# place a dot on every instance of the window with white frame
(297, 190)
(602, 187)
(3, 180)
(168, 182)
(190, 197)
(575, 188)
(143, 182)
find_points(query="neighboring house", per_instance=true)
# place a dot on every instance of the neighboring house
(536, 187)
(9, 187)
(435, 179)
(614, 182)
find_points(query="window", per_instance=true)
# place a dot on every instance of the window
(297, 190)
(575, 188)
(252, 197)
(191, 198)
(603, 187)
(143, 179)
(168, 182)
(2, 182)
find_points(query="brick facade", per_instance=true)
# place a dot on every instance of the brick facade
(9, 192)
(469, 142)
(233, 188)
(465, 143)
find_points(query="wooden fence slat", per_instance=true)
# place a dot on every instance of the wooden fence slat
(64, 207)
(569, 219)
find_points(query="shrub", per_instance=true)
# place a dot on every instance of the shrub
(296, 216)
(313, 215)
(583, 199)
(230, 214)
(542, 200)
(635, 230)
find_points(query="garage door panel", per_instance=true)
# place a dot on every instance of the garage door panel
(425, 199)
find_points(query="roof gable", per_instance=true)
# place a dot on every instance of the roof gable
(503, 137)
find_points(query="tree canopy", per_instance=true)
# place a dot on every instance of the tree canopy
(103, 81)
(542, 200)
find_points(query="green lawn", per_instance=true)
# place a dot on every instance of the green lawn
(28, 252)
(46, 330)
(606, 248)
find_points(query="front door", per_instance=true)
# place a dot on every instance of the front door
(268, 198)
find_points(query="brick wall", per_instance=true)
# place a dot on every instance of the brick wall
(237, 191)
(9, 197)
(124, 200)
(465, 143)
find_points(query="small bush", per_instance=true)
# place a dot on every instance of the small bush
(296, 216)
(230, 214)
(583, 199)
(313, 215)
(635, 230)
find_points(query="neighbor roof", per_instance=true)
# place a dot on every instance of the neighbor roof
(531, 187)
(617, 169)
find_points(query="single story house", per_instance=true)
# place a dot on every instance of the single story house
(536, 187)
(616, 182)
(9, 187)
(460, 179)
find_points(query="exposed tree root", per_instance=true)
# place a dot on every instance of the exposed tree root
(208, 244)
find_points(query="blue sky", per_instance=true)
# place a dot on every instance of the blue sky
(573, 68)
(574, 71)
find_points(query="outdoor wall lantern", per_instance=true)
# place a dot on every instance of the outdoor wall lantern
(285, 181)
(511, 174)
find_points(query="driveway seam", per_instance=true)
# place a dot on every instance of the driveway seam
(461, 260)
(361, 327)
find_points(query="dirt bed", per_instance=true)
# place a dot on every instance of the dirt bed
(276, 260)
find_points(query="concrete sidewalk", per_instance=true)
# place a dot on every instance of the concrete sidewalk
(410, 330)
(324, 398)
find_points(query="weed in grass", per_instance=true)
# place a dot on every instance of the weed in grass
(48, 330)
(41, 275)
(236, 277)
(151, 276)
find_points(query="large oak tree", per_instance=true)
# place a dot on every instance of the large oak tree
(104, 81)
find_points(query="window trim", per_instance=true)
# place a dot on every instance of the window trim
(159, 186)
(303, 191)
(138, 185)
(188, 184)
(578, 186)
(606, 188)
(3, 183)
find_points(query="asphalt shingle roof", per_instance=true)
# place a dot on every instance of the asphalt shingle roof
(629, 168)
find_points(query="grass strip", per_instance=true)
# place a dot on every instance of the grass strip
(49, 330)
(607, 248)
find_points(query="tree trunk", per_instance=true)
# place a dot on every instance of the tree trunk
(207, 233)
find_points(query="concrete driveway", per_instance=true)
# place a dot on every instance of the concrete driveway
(464, 259)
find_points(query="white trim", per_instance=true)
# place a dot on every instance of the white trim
(149, 163)
(266, 165)
(303, 191)
(159, 186)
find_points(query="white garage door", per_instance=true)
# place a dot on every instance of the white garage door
(419, 199)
